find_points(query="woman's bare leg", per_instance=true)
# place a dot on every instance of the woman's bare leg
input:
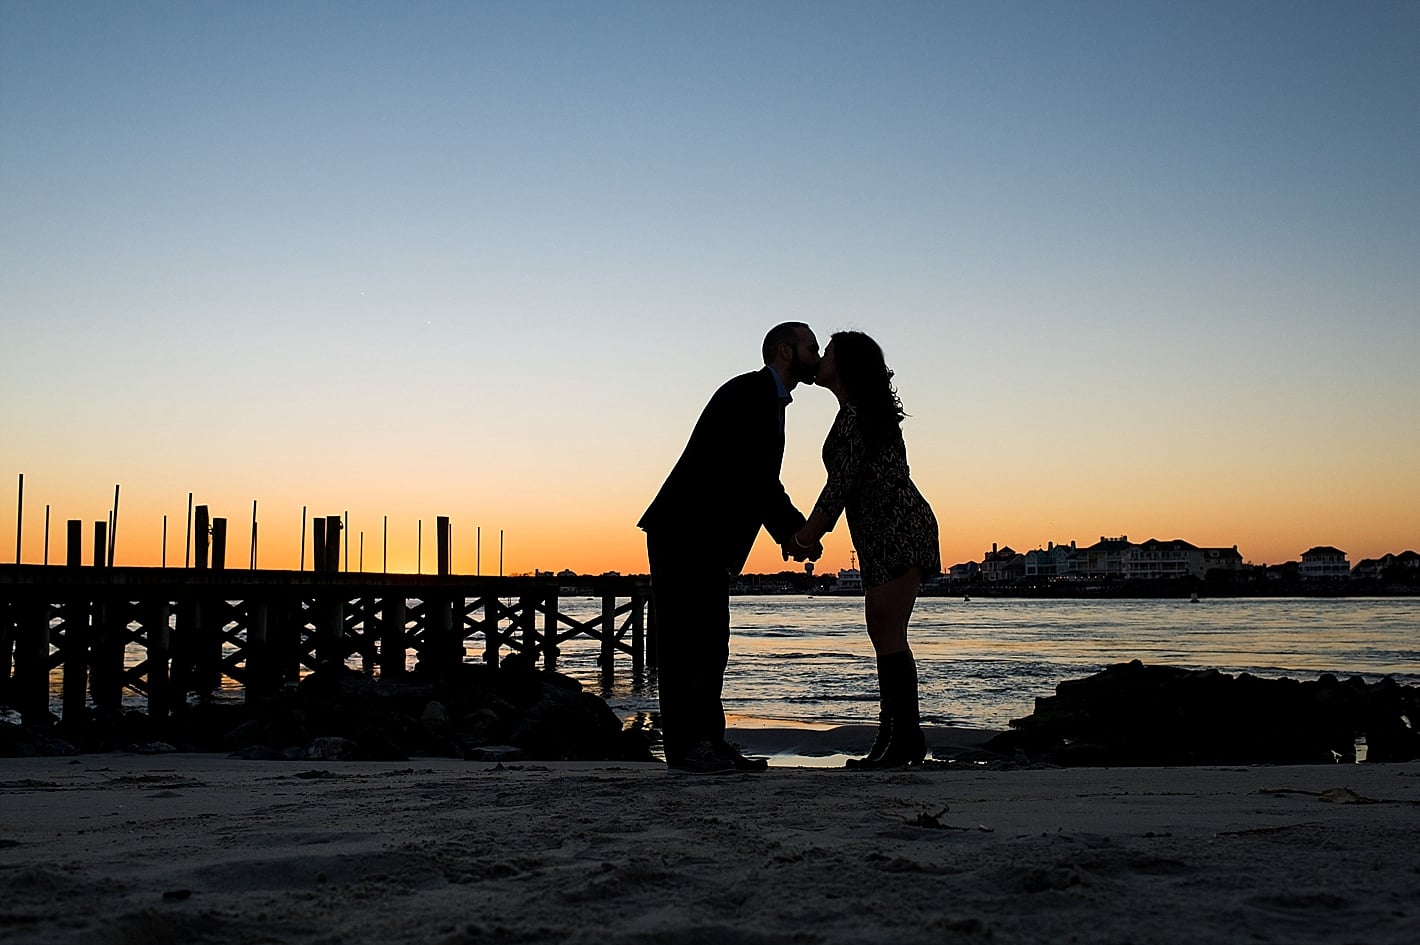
(887, 609)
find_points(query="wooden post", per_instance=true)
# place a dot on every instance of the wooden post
(75, 653)
(100, 543)
(9, 628)
(285, 633)
(608, 657)
(106, 655)
(653, 649)
(182, 672)
(165, 541)
(490, 630)
(113, 526)
(527, 616)
(549, 631)
(31, 686)
(385, 555)
(441, 527)
(187, 536)
(345, 535)
(317, 546)
(332, 543)
(74, 548)
(202, 538)
(46, 534)
(638, 634)
(20, 519)
(445, 646)
(219, 544)
(392, 635)
(262, 679)
(332, 629)
(160, 699)
(303, 538)
(207, 645)
(253, 535)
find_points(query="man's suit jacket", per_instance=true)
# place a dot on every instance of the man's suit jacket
(726, 483)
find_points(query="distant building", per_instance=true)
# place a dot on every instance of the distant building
(1324, 563)
(1221, 559)
(1155, 559)
(1288, 572)
(964, 573)
(1389, 567)
(1103, 559)
(1051, 561)
(1002, 565)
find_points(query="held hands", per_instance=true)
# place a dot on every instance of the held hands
(800, 548)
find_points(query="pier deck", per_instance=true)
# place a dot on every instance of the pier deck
(262, 629)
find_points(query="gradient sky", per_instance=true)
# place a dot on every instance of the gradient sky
(1144, 269)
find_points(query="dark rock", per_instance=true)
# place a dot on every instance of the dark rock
(22, 741)
(151, 748)
(496, 753)
(338, 713)
(259, 753)
(330, 748)
(1135, 714)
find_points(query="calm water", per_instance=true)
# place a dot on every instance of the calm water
(802, 660)
(983, 662)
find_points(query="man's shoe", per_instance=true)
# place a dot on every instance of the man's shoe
(740, 761)
(702, 759)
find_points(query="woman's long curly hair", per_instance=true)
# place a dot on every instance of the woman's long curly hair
(867, 385)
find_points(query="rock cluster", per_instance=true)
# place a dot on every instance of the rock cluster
(479, 712)
(1133, 714)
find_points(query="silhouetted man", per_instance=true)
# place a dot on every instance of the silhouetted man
(699, 532)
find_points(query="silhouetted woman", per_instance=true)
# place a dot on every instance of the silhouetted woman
(891, 525)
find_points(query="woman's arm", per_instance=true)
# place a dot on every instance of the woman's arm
(813, 530)
(843, 459)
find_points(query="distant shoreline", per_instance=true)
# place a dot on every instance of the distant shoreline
(794, 584)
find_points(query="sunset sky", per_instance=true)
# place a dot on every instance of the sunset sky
(1143, 269)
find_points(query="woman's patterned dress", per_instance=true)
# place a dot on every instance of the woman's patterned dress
(891, 525)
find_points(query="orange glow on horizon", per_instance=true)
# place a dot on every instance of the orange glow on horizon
(573, 533)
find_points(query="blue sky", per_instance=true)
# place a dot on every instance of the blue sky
(1144, 268)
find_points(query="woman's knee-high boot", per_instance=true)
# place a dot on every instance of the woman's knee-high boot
(880, 741)
(906, 743)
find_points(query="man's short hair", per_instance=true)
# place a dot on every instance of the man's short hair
(785, 333)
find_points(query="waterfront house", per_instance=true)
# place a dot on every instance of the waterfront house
(1103, 559)
(1002, 565)
(1155, 559)
(1324, 563)
(1220, 559)
(1404, 566)
(964, 573)
(1048, 562)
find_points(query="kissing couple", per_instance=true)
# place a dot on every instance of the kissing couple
(704, 520)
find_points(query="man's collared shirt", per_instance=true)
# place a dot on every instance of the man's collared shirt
(784, 398)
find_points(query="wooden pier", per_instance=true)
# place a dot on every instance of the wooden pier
(199, 628)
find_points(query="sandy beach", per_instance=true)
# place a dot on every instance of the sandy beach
(182, 848)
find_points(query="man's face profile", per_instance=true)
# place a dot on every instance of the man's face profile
(803, 367)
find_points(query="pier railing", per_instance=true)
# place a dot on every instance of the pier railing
(197, 629)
